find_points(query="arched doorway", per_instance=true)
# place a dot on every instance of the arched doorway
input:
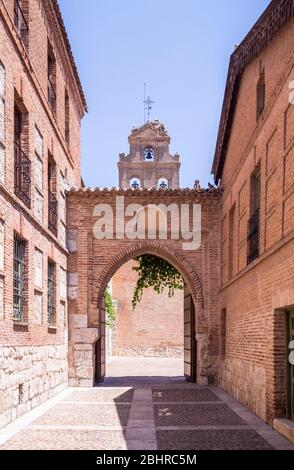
(93, 260)
(188, 315)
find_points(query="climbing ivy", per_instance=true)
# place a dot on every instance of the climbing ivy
(110, 309)
(157, 273)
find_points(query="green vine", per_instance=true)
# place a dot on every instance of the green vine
(157, 273)
(110, 309)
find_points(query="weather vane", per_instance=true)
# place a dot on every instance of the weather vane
(147, 104)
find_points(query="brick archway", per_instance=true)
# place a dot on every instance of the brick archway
(94, 260)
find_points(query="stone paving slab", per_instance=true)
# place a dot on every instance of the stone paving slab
(83, 414)
(183, 395)
(66, 439)
(195, 414)
(161, 412)
(232, 439)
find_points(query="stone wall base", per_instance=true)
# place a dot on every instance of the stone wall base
(172, 352)
(246, 382)
(29, 375)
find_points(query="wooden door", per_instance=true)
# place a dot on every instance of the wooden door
(100, 351)
(189, 338)
(290, 363)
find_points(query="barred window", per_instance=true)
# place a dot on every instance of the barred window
(260, 96)
(22, 163)
(21, 19)
(19, 271)
(51, 293)
(254, 220)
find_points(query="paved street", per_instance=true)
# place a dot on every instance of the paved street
(157, 410)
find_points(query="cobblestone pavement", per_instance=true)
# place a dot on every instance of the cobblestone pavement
(147, 407)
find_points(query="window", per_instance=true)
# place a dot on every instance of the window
(22, 164)
(2, 123)
(19, 279)
(223, 332)
(253, 223)
(231, 241)
(260, 98)
(66, 116)
(149, 154)
(51, 78)
(51, 293)
(21, 14)
(135, 183)
(162, 183)
(52, 200)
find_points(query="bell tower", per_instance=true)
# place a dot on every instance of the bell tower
(149, 163)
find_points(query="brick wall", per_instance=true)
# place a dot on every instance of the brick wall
(33, 354)
(93, 262)
(256, 296)
(155, 327)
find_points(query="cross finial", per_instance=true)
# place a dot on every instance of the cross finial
(147, 104)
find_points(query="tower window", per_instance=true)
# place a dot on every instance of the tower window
(162, 183)
(260, 96)
(149, 154)
(135, 183)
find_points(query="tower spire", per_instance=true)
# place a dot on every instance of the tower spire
(147, 105)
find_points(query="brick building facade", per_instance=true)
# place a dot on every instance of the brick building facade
(41, 105)
(254, 163)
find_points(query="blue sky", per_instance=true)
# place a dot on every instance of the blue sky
(180, 48)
